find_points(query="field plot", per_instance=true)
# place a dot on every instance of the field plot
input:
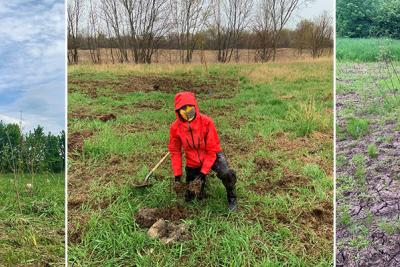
(32, 231)
(368, 165)
(275, 125)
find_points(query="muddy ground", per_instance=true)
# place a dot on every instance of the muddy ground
(374, 202)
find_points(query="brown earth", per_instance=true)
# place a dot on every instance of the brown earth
(107, 117)
(213, 86)
(195, 186)
(76, 140)
(375, 197)
(169, 232)
(146, 217)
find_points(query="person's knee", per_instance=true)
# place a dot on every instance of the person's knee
(228, 177)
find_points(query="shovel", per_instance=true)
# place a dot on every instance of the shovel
(145, 182)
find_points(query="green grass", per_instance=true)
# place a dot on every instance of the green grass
(261, 119)
(32, 230)
(365, 50)
(357, 128)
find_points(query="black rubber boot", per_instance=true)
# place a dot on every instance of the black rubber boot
(189, 196)
(232, 200)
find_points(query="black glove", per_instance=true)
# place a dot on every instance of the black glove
(201, 176)
(177, 179)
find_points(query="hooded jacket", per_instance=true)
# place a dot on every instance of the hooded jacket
(198, 138)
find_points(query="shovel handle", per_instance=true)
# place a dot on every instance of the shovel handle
(155, 167)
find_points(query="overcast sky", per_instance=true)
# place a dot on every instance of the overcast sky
(312, 10)
(32, 65)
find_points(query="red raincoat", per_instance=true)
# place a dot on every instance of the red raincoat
(198, 138)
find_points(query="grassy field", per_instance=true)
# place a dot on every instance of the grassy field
(365, 50)
(275, 126)
(368, 160)
(32, 233)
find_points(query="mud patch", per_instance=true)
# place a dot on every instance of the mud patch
(368, 208)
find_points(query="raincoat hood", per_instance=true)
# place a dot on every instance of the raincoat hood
(183, 99)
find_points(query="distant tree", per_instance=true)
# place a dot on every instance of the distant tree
(386, 23)
(355, 18)
(321, 34)
(303, 35)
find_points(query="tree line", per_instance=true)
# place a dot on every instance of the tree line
(367, 18)
(31, 152)
(133, 30)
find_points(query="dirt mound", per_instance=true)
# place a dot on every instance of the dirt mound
(146, 217)
(107, 117)
(180, 188)
(75, 140)
(168, 232)
(264, 164)
(164, 223)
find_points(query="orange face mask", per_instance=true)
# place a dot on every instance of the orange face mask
(188, 113)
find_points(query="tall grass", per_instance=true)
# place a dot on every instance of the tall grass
(365, 50)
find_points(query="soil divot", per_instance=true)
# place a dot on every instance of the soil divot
(75, 140)
(168, 232)
(146, 217)
(107, 117)
(164, 223)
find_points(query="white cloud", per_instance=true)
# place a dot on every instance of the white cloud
(33, 62)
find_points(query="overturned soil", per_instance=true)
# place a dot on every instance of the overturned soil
(76, 140)
(372, 202)
(219, 86)
(107, 117)
(146, 217)
(169, 232)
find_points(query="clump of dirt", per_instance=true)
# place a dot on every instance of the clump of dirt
(107, 117)
(264, 164)
(195, 186)
(146, 217)
(164, 223)
(169, 232)
(76, 139)
(180, 188)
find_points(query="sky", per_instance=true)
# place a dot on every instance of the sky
(312, 10)
(32, 63)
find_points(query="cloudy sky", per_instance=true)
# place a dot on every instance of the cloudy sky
(32, 65)
(312, 10)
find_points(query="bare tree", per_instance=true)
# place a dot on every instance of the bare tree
(147, 23)
(111, 11)
(74, 8)
(271, 18)
(188, 18)
(321, 35)
(93, 33)
(231, 17)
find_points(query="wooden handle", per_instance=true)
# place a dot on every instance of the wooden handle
(155, 167)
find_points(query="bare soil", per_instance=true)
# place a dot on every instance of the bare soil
(107, 117)
(378, 199)
(213, 86)
(195, 186)
(76, 139)
(169, 232)
(146, 217)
